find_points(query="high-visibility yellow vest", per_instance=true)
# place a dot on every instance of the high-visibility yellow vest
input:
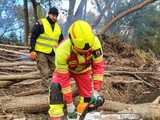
(48, 41)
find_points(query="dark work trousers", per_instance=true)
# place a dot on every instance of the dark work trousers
(45, 64)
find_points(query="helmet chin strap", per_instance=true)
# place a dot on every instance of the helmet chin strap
(81, 52)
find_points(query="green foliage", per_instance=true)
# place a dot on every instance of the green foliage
(143, 28)
(148, 29)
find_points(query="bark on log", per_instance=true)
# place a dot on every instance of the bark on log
(5, 83)
(39, 103)
(18, 69)
(13, 46)
(8, 59)
(13, 52)
(32, 75)
(9, 64)
(31, 92)
(148, 111)
(27, 104)
(132, 72)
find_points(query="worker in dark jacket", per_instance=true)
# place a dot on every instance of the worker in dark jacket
(46, 34)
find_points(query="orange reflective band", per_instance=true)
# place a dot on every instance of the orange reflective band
(67, 90)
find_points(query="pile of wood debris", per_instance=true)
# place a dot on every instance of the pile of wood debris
(132, 76)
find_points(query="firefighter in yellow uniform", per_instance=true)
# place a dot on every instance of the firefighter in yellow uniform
(45, 36)
(80, 56)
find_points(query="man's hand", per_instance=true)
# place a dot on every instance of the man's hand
(94, 97)
(96, 101)
(71, 111)
(33, 55)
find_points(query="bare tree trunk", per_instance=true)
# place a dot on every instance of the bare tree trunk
(34, 4)
(124, 13)
(102, 13)
(49, 1)
(70, 15)
(26, 22)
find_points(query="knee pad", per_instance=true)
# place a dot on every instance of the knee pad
(56, 96)
(56, 110)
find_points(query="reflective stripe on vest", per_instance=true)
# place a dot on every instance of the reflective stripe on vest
(47, 41)
(47, 38)
(45, 45)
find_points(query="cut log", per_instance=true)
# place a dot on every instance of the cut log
(31, 92)
(32, 75)
(39, 103)
(26, 87)
(10, 64)
(27, 104)
(18, 69)
(127, 72)
(13, 46)
(5, 83)
(13, 52)
(148, 111)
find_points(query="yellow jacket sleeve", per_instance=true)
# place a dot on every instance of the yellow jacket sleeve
(61, 55)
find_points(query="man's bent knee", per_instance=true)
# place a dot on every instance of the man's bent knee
(56, 96)
(56, 101)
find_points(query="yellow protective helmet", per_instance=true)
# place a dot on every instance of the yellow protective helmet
(81, 35)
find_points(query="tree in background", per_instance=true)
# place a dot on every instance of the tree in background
(80, 13)
(147, 29)
(26, 23)
(139, 6)
(7, 17)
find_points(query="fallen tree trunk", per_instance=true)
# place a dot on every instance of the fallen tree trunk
(32, 75)
(9, 64)
(148, 111)
(13, 46)
(27, 104)
(131, 73)
(39, 103)
(14, 52)
(31, 92)
(18, 69)
(5, 83)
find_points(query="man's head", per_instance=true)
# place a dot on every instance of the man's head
(82, 36)
(53, 14)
